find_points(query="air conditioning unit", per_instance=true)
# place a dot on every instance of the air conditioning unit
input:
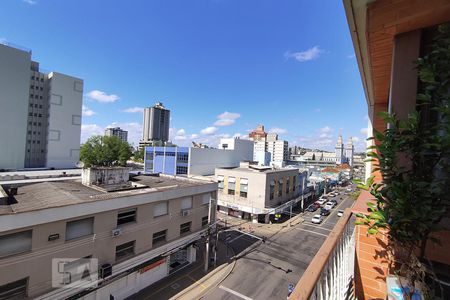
(185, 213)
(116, 232)
(105, 270)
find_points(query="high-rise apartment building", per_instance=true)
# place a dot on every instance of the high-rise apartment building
(156, 125)
(40, 114)
(117, 131)
(269, 142)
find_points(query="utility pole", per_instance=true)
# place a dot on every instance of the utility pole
(208, 233)
(290, 214)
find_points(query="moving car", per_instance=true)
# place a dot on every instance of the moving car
(340, 213)
(324, 212)
(317, 219)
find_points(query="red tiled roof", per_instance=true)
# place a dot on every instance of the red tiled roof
(330, 170)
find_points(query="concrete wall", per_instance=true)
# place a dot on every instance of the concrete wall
(204, 161)
(36, 264)
(64, 134)
(14, 92)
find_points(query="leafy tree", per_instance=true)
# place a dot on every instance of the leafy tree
(138, 154)
(105, 151)
(413, 157)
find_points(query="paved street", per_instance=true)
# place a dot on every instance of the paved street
(265, 272)
(262, 270)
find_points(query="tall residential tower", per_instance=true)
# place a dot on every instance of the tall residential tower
(40, 114)
(156, 125)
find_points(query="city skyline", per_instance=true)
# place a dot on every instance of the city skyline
(218, 80)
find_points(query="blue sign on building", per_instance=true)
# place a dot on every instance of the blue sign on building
(166, 160)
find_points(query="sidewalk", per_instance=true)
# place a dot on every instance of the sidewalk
(212, 279)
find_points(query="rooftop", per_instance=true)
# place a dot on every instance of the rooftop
(44, 195)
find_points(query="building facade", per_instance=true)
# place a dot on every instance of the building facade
(116, 131)
(156, 125)
(43, 108)
(250, 191)
(193, 161)
(343, 154)
(139, 236)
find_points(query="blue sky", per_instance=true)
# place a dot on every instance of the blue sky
(221, 66)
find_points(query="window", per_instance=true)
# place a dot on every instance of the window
(185, 227)
(243, 186)
(30, 114)
(280, 187)
(186, 203)
(160, 209)
(14, 290)
(272, 189)
(126, 216)
(159, 237)
(79, 228)
(220, 181)
(125, 250)
(15, 243)
(182, 170)
(183, 157)
(231, 185)
(204, 221)
(294, 182)
(287, 185)
(206, 199)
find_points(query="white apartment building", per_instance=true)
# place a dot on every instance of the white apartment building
(117, 131)
(40, 114)
(278, 149)
(140, 231)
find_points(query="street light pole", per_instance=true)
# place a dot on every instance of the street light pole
(208, 233)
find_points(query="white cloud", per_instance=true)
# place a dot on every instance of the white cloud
(325, 129)
(209, 130)
(363, 131)
(181, 132)
(87, 112)
(278, 130)
(30, 2)
(102, 96)
(88, 130)
(350, 56)
(3, 40)
(194, 136)
(227, 119)
(355, 139)
(302, 56)
(237, 135)
(135, 109)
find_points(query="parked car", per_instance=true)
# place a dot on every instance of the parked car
(340, 213)
(312, 208)
(321, 201)
(334, 201)
(329, 205)
(316, 219)
(324, 212)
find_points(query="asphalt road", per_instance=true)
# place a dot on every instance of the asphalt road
(265, 272)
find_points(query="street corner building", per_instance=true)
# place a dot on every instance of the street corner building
(141, 229)
(40, 114)
(255, 192)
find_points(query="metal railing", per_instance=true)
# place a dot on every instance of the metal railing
(330, 274)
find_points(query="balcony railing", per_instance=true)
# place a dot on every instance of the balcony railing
(330, 274)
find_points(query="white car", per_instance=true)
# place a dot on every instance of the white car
(321, 201)
(316, 219)
(349, 189)
(340, 213)
(329, 205)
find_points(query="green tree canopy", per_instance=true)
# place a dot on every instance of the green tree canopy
(105, 151)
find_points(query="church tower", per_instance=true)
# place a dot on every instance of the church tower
(349, 150)
(339, 150)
